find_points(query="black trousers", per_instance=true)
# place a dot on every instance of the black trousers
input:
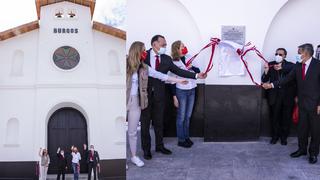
(309, 123)
(281, 119)
(153, 112)
(91, 166)
(61, 171)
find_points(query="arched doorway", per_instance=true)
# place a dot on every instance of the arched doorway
(66, 127)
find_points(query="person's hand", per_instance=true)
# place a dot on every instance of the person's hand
(175, 101)
(183, 81)
(266, 86)
(266, 68)
(278, 67)
(84, 146)
(318, 110)
(202, 75)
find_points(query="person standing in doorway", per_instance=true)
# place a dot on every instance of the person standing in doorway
(76, 157)
(44, 164)
(93, 161)
(62, 164)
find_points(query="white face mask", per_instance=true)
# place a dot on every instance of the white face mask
(278, 59)
(162, 50)
(91, 149)
(298, 58)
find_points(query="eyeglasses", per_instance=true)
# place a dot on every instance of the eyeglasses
(278, 54)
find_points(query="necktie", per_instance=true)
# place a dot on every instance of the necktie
(303, 71)
(157, 62)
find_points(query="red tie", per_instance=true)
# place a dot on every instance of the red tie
(157, 62)
(303, 71)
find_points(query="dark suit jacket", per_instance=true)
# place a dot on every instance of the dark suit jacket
(62, 161)
(166, 65)
(308, 89)
(286, 92)
(96, 158)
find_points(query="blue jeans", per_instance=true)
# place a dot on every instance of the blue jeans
(186, 101)
(75, 171)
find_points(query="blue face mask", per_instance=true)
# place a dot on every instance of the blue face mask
(298, 58)
(162, 50)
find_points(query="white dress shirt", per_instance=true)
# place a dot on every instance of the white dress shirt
(191, 82)
(152, 73)
(307, 65)
(76, 157)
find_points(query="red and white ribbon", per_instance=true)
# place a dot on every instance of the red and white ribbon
(213, 42)
(241, 52)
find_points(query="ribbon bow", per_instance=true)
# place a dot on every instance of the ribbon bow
(213, 42)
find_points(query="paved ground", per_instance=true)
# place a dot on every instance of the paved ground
(68, 177)
(226, 161)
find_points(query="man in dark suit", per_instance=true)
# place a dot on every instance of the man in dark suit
(280, 99)
(158, 60)
(62, 164)
(93, 159)
(307, 76)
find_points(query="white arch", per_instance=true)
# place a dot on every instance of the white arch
(66, 104)
(113, 62)
(12, 132)
(17, 63)
(293, 25)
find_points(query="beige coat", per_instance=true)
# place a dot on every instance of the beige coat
(143, 85)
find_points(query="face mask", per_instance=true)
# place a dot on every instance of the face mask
(143, 55)
(184, 51)
(278, 59)
(298, 58)
(162, 50)
(91, 149)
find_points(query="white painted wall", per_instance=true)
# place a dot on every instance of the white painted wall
(296, 23)
(269, 24)
(96, 87)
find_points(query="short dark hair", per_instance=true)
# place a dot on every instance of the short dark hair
(307, 47)
(282, 49)
(318, 46)
(156, 38)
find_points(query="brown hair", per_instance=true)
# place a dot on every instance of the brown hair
(133, 59)
(175, 50)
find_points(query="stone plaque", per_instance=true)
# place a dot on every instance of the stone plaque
(236, 34)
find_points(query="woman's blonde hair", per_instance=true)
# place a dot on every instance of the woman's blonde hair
(175, 50)
(134, 57)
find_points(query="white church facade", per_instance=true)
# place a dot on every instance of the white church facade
(62, 83)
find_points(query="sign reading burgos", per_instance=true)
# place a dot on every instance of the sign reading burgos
(65, 30)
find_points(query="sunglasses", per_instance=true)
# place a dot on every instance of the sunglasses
(278, 54)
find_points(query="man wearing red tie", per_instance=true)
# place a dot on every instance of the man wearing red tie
(93, 160)
(307, 76)
(161, 62)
